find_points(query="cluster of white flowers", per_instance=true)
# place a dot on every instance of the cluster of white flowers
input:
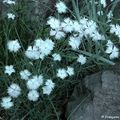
(75, 33)
(63, 73)
(40, 49)
(84, 27)
(33, 84)
(13, 91)
(90, 29)
(115, 29)
(112, 50)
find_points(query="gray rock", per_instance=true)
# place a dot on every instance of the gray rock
(33, 10)
(38, 10)
(103, 100)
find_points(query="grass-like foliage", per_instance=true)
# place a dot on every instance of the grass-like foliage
(41, 63)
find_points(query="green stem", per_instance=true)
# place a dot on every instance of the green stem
(54, 108)
(97, 57)
(94, 10)
(76, 9)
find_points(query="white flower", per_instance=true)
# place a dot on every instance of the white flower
(56, 29)
(56, 57)
(115, 53)
(77, 27)
(109, 43)
(49, 86)
(67, 25)
(11, 16)
(109, 49)
(81, 59)
(110, 15)
(103, 2)
(100, 13)
(9, 69)
(57, 33)
(115, 29)
(32, 53)
(33, 95)
(47, 47)
(74, 42)
(54, 23)
(40, 49)
(97, 36)
(49, 83)
(25, 74)
(35, 82)
(109, 46)
(70, 71)
(6, 102)
(47, 90)
(9, 2)
(13, 45)
(83, 21)
(112, 50)
(61, 73)
(14, 90)
(61, 7)
(88, 28)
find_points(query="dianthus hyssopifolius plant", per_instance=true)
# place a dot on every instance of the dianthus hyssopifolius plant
(48, 60)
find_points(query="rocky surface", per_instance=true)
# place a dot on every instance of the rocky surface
(39, 9)
(102, 101)
(34, 10)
